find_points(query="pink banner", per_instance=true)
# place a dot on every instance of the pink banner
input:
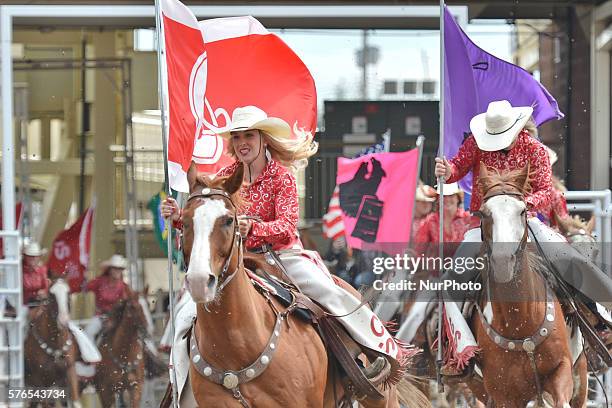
(377, 197)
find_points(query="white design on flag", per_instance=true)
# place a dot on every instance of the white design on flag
(208, 145)
(333, 226)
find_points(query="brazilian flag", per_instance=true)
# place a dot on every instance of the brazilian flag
(159, 224)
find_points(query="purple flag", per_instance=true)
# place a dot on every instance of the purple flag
(474, 78)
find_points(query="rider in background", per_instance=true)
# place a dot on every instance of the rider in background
(35, 274)
(425, 198)
(270, 213)
(108, 288)
(456, 220)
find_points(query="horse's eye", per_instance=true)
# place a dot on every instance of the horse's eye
(229, 221)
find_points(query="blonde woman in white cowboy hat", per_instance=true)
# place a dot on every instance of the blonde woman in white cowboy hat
(264, 146)
(108, 288)
(501, 140)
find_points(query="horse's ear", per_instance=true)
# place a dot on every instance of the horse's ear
(590, 225)
(233, 182)
(192, 176)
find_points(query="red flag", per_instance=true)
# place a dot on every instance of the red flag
(70, 251)
(377, 194)
(215, 66)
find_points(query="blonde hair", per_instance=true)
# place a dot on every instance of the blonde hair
(558, 184)
(531, 128)
(291, 153)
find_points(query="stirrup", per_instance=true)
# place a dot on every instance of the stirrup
(378, 371)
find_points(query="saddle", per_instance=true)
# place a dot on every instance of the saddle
(270, 276)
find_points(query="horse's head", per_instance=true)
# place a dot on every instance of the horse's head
(129, 310)
(504, 218)
(210, 233)
(60, 299)
(580, 234)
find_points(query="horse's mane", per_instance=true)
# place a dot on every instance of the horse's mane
(218, 183)
(510, 177)
(573, 223)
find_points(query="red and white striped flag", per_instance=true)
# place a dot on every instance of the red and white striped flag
(333, 226)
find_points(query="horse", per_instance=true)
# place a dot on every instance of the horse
(247, 349)
(523, 341)
(122, 348)
(50, 348)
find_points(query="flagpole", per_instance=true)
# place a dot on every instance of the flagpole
(419, 144)
(441, 181)
(162, 111)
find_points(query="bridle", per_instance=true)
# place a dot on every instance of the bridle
(224, 277)
(515, 191)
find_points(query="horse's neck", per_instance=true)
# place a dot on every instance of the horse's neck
(46, 325)
(525, 314)
(235, 330)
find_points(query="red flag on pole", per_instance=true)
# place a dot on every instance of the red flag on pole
(70, 251)
(215, 66)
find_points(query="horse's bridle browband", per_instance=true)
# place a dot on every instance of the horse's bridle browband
(236, 238)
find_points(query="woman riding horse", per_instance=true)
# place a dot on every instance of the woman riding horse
(501, 141)
(35, 274)
(109, 288)
(269, 217)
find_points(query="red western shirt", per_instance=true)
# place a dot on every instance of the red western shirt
(107, 291)
(34, 279)
(527, 150)
(558, 205)
(429, 230)
(272, 197)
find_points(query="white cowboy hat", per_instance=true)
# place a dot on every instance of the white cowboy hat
(497, 128)
(33, 249)
(115, 261)
(552, 155)
(251, 117)
(425, 193)
(450, 190)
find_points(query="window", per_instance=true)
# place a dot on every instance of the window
(390, 88)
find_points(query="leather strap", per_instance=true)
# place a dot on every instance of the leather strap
(337, 339)
(231, 379)
(527, 344)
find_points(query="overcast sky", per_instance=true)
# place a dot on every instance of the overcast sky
(405, 54)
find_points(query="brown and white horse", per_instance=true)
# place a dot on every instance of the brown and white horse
(50, 348)
(520, 327)
(245, 351)
(122, 349)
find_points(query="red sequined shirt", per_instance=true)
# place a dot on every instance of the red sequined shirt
(429, 230)
(34, 279)
(526, 150)
(272, 197)
(558, 205)
(108, 292)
